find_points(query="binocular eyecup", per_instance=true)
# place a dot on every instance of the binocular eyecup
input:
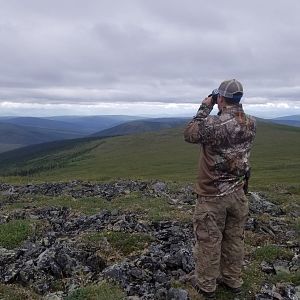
(214, 94)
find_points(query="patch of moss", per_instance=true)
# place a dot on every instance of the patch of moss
(293, 278)
(253, 277)
(271, 252)
(124, 242)
(15, 292)
(103, 291)
(13, 233)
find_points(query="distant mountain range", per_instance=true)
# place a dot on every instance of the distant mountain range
(16, 132)
(288, 120)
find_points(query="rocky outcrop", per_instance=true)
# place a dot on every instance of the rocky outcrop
(58, 254)
(79, 189)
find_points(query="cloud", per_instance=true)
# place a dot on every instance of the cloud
(83, 53)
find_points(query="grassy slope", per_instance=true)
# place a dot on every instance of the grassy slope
(164, 155)
(275, 157)
(13, 136)
(139, 126)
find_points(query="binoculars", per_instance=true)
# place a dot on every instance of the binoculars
(214, 94)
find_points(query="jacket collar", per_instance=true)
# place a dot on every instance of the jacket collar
(231, 109)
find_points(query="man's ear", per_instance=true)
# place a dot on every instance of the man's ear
(222, 100)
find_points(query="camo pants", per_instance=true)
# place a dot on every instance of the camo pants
(219, 232)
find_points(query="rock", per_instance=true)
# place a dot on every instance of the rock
(60, 252)
(251, 224)
(161, 294)
(160, 277)
(287, 291)
(159, 187)
(268, 291)
(267, 267)
(6, 255)
(281, 266)
(117, 273)
(54, 296)
(177, 294)
(279, 292)
(258, 205)
(295, 263)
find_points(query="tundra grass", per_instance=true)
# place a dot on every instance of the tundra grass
(13, 233)
(153, 209)
(270, 253)
(103, 291)
(123, 242)
(16, 292)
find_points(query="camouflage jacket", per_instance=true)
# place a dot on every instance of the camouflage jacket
(226, 140)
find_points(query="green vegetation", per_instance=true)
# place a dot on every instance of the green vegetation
(123, 242)
(271, 252)
(275, 157)
(293, 278)
(26, 163)
(85, 205)
(13, 233)
(101, 291)
(15, 292)
(253, 277)
(153, 208)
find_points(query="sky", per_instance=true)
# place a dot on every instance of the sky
(147, 57)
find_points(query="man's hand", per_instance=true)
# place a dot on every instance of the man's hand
(207, 101)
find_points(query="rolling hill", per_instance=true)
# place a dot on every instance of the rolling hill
(92, 124)
(160, 155)
(26, 135)
(288, 120)
(44, 123)
(17, 132)
(140, 126)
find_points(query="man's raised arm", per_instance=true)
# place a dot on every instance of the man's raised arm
(196, 130)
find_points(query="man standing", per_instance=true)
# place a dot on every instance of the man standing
(222, 207)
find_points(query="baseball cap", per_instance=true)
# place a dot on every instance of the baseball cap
(231, 89)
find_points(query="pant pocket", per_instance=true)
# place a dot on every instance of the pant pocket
(206, 229)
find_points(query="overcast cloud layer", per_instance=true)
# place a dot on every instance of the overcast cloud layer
(146, 57)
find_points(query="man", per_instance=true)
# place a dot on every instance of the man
(222, 207)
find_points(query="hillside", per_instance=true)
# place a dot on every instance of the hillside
(92, 124)
(161, 155)
(140, 126)
(11, 134)
(44, 123)
(293, 120)
(16, 132)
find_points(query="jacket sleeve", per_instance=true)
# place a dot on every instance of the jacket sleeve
(200, 129)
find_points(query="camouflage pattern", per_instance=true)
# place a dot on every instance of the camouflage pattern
(222, 207)
(219, 233)
(226, 140)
